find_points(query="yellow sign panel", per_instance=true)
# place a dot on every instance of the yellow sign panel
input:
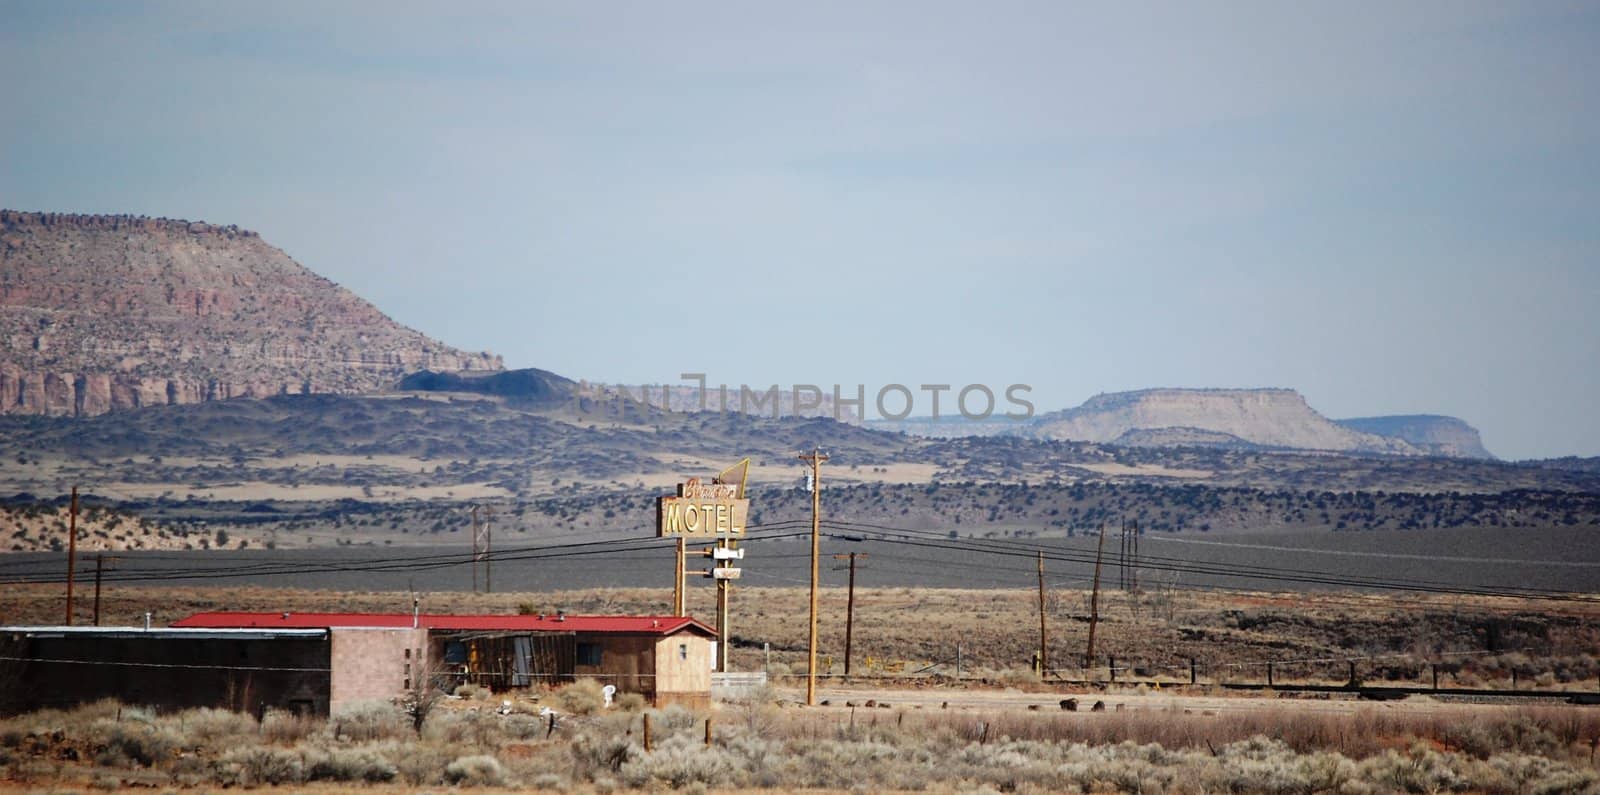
(701, 516)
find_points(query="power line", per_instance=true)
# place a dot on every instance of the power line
(1019, 549)
(1586, 564)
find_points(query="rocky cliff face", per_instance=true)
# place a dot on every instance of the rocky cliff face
(1442, 436)
(99, 313)
(1264, 417)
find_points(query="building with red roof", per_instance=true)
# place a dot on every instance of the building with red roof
(319, 662)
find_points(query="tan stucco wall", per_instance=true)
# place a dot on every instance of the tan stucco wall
(374, 664)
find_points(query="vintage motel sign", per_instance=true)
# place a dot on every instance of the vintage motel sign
(702, 510)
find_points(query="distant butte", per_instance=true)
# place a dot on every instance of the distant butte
(107, 312)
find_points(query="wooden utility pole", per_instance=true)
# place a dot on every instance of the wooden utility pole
(1122, 559)
(1094, 598)
(1044, 646)
(1133, 571)
(678, 586)
(72, 550)
(850, 606)
(481, 534)
(99, 568)
(815, 459)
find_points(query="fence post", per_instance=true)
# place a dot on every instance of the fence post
(1353, 682)
(1191, 671)
(647, 732)
(1112, 668)
(1269, 673)
(1435, 669)
(708, 731)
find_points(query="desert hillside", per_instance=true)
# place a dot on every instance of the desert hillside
(105, 312)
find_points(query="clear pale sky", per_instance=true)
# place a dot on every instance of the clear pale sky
(1391, 207)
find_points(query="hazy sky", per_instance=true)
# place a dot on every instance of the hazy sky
(1392, 207)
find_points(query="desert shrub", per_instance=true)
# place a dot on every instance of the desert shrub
(1526, 734)
(1260, 764)
(518, 726)
(582, 697)
(207, 727)
(674, 717)
(548, 781)
(1121, 768)
(254, 766)
(368, 721)
(475, 771)
(631, 702)
(1421, 769)
(347, 764)
(32, 772)
(140, 743)
(418, 764)
(286, 728)
(594, 752)
(680, 761)
(471, 728)
(469, 690)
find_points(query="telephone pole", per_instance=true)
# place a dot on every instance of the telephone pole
(1044, 646)
(72, 550)
(1122, 559)
(815, 459)
(1094, 599)
(850, 606)
(1133, 572)
(481, 533)
(99, 568)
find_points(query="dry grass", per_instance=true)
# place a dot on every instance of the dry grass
(903, 630)
(758, 745)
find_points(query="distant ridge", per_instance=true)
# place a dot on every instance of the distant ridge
(105, 312)
(1241, 419)
(1435, 434)
(1265, 417)
(528, 385)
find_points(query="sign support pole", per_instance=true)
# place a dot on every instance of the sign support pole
(678, 586)
(723, 586)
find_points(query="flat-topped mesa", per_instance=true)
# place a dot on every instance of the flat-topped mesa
(1439, 435)
(104, 312)
(1278, 418)
(19, 218)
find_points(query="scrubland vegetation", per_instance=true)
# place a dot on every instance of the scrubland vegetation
(764, 743)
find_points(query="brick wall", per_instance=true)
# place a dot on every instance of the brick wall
(376, 664)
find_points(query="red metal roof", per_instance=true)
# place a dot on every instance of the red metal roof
(630, 625)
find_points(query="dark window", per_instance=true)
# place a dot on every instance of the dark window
(588, 654)
(683, 651)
